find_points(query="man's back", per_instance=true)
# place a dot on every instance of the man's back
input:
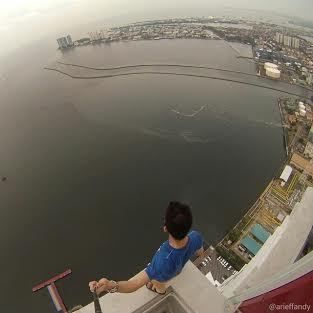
(169, 261)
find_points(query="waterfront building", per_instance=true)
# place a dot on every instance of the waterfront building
(62, 42)
(69, 40)
(103, 34)
(99, 35)
(65, 42)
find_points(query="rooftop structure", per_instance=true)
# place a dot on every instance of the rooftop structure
(260, 233)
(286, 173)
(269, 65)
(252, 245)
(273, 73)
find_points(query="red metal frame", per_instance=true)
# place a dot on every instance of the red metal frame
(51, 280)
(59, 298)
(54, 293)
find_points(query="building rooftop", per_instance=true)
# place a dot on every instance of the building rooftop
(286, 173)
(260, 233)
(252, 245)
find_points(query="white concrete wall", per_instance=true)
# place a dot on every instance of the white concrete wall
(190, 285)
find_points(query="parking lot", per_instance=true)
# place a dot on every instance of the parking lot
(212, 262)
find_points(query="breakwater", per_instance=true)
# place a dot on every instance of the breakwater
(176, 74)
(158, 65)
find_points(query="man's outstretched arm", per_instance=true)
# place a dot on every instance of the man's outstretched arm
(128, 286)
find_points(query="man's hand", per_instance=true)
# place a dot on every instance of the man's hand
(102, 285)
(93, 286)
(131, 285)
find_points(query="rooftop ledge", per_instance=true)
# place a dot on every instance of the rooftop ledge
(189, 292)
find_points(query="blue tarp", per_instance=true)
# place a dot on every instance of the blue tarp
(260, 233)
(251, 245)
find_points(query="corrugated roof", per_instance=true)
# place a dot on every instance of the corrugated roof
(286, 173)
(260, 233)
(251, 245)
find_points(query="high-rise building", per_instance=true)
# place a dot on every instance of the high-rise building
(69, 40)
(104, 33)
(288, 40)
(279, 37)
(295, 42)
(65, 42)
(62, 42)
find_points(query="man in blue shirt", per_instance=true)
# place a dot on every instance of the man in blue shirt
(168, 261)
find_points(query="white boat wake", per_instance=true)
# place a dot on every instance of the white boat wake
(190, 115)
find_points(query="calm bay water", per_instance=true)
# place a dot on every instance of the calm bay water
(91, 164)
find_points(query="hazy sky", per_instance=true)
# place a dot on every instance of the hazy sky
(22, 21)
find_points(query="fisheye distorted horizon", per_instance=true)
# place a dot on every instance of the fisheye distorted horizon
(25, 21)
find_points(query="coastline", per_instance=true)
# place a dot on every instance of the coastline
(283, 193)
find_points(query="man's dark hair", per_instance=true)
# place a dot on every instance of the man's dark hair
(178, 219)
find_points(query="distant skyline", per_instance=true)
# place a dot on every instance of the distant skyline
(24, 21)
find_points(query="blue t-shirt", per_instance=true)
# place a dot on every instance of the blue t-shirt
(168, 261)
